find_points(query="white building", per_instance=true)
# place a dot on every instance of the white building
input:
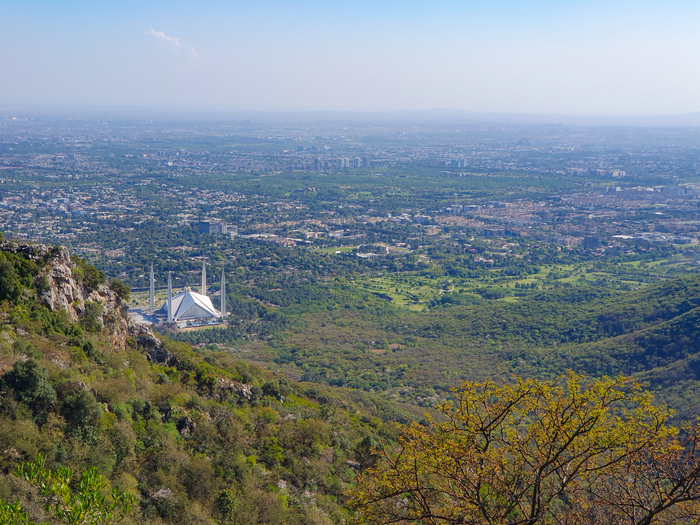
(190, 306)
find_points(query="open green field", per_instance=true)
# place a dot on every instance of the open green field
(416, 292)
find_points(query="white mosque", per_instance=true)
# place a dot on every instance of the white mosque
(189, 307)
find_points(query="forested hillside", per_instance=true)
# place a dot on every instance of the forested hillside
(200, 436)
(197, 436)
(350, 338)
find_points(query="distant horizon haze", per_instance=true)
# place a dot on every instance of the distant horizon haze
(408, 117)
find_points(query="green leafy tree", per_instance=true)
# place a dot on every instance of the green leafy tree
(10, 285)
(80, 504)
(13, 514)
(92, 277)
(83, 413)
(119, 288)
(30, 382)
(92, 317)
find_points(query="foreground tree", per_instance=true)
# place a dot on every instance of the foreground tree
(81, 504)
(13, 514)
(533, 452)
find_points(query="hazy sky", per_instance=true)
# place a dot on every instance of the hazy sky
(583, 57)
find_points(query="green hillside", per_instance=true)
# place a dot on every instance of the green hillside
(373, 345)
(196, 435)
(199, 435)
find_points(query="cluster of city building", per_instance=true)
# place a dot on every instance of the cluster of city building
(132, 178)
(613, 214)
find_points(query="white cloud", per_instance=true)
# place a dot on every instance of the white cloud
(173, 40)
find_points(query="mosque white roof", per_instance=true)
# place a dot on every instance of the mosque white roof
(191, 305)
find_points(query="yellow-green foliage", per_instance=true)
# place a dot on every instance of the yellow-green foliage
(563, 451)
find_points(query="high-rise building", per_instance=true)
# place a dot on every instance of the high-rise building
(212, 227)
(591, 243)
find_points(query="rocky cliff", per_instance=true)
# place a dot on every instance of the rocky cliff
(62, 285)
